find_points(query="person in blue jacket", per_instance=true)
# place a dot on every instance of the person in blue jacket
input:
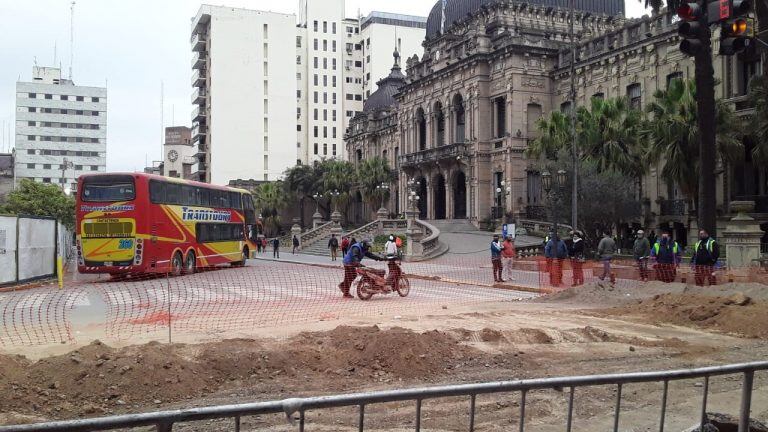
(352, 260)
(555, 252)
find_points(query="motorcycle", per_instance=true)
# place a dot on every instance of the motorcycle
(373, 281)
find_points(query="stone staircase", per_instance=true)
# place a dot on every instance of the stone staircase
(456, 226)
(320, 247)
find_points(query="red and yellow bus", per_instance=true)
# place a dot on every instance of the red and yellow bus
(141, 223)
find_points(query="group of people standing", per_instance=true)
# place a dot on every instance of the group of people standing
(557, 250)
(664, 252)
(503, 256)
(263, 243)
(667, 256)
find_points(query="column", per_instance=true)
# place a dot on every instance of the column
(449, 214)
(430, 198)
(430, 125)
(451, 135)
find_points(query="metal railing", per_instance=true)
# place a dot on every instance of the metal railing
(296, 409)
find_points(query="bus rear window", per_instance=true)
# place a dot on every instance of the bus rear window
(97, 192)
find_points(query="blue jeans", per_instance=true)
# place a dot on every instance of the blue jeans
(606, 268)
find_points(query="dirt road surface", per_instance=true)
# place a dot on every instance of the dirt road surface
(589, 330)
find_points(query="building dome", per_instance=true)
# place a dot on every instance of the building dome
(384, 96)
(456, 10)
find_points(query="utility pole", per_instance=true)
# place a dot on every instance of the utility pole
(574, 142)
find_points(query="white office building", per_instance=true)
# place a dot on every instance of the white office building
(380, 33)
(252, 119)
(61, 129)
(244, 96)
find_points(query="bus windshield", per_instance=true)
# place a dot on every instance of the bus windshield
(122, 189)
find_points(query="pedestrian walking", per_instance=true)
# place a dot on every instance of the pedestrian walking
(344, 246)
(641, 251)
(606, 249)
(295, 244)
(333, 245)
(666, 253)
(276, 248)
(496, 259)
(258, 245)
(576, 254)
(705, 256)
(508, 254)
(264, 245)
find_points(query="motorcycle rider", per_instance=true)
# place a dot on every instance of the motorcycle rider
(352, 260)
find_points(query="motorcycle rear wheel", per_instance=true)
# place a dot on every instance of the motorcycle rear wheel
(364, 290)
(403, 286)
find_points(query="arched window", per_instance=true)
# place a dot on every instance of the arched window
(421, 129)
(460, 118)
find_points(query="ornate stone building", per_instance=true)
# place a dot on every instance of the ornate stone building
(462, 119)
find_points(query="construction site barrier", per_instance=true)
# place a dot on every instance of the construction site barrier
(296, 409)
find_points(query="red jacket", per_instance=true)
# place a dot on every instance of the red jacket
(509, 250)
(345, 243)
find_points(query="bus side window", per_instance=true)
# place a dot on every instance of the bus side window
(202, 197)
(188, 196)
(157, 192)
(234, 197)
(224, 199)
(173, 193)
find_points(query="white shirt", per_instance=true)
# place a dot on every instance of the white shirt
(390, 248)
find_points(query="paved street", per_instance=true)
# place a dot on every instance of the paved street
(262, 294)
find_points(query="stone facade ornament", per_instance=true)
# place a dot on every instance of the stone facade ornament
(742, 237)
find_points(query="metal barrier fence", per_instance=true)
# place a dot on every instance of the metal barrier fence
(296, 409)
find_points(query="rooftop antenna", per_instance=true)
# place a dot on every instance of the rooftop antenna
(71, 37)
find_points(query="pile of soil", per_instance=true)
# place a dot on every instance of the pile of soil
(736, 314)
(605, 294)
(97, 379)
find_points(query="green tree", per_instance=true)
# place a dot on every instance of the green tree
(302, 181)
(372, 174)
(673, 135)
(339, 177)
(270, 199)
(554, 135)
(41, 199)
(758, 93)
(609, 133)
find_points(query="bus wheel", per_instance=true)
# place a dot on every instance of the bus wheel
(190, 263)
(177, 264)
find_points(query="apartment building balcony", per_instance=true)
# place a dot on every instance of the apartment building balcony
(199, 130)
(432, 155)
(199, 114)
(199, 95)
(198, 60)
(199, 42)
(198, 77)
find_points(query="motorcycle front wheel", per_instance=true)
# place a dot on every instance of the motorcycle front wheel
(364, 290)
(403, 286)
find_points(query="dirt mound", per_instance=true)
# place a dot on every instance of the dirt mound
(603, 293)
(397, 352)
(735, 314)
(98, 379)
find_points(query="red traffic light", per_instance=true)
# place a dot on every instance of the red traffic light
(689, 11)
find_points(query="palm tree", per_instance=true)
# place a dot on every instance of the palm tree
(673, 135)
(610, 136)
(758, 93)
(302, 181)
(339, 177)
(270, 199)
(372, 174)
(554, 135)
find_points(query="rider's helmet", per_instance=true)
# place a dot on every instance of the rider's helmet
(391, 238)
(366, 242)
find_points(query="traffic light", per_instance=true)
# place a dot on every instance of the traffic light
(690, 28)
(737, 33)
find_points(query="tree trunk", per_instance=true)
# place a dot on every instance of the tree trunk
(705, 95)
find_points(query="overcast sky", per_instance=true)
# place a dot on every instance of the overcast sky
(131, 46)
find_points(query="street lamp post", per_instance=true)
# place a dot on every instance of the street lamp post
(316, 196)
(381, 191)
(548, 186)
(334, 197)
(64, 166)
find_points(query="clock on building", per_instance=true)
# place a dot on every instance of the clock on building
(173, 155)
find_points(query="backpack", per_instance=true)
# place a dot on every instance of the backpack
(334, 243)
